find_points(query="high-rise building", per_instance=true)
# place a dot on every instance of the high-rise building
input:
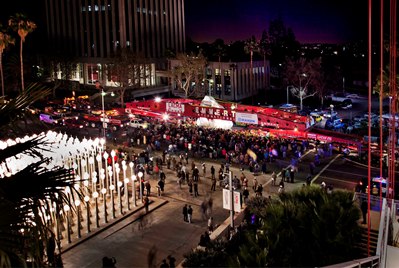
(95, 31)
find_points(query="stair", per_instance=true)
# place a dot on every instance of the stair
(363, 242)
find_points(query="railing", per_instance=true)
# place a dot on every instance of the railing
(373, 261)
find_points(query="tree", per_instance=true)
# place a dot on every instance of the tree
(309, 227)
(189, 73)
(129, 71)
(265, 50)
(5, 41)
(304, 76)
(23, 26)
(251, 46)
(28, 193)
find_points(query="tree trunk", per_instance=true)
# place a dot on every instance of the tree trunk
(264, 70)
(22, 67)
(301, 101)
(251, 79)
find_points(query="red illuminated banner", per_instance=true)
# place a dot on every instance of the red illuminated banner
(214, 113)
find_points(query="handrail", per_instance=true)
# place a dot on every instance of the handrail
(372, 261)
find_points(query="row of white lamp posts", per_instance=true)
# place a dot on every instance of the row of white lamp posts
(99, 182)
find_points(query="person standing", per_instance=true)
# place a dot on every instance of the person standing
(255, 185)
(204, 169)
(212, 172)
(292, 175)
(213, 187)
(189, 213)
(245, 193)
(185, 213)
(146, 204)
(148, 187)
(172, 261)
(364, 208)
(164, 264)
(161, 185)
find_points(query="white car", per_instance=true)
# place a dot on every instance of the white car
(329, 114)
(138, 123)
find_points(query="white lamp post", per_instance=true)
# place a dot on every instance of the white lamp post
(140, 174)
(134, 190)
(95, 196)
(87, 199)
(104, 192)
(106, 167)
(113, 164)
(67, 210)
(103, 112)
(112, 188)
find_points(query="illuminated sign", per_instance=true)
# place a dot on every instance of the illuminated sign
(214, 113)
(172, 107)
(246, 118)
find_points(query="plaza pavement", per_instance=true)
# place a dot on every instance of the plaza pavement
(130, 238)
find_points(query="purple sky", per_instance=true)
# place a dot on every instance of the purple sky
(326, 21)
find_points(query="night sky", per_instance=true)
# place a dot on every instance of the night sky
(313, 21)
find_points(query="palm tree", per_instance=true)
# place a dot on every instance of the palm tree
(5, 41)
(26, 196)
(265, 50)
(22, 26)
(251, 45)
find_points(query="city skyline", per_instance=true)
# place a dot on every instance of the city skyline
(311, 21)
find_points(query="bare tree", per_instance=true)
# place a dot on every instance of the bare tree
(129, 71)
(304, 76)
(189, 73)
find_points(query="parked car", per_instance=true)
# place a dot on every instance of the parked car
(73, 123)
(329, 113)
(335, 123)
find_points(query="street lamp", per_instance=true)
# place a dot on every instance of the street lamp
(103, 112)
(210, 84)
(288, 87)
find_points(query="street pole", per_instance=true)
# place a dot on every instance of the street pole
(287, 94)
(232, 200)
(103, 111)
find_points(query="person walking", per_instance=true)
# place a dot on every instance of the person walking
(274, 178)
(196, 188)
(161, 186)
(189, 213)
(204, 169)
(185, 213)
(210, 224)
(148, 187)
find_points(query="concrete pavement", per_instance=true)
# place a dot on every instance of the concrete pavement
(131, 238)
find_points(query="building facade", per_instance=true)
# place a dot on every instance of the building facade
(232, 81)
(93, 31)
